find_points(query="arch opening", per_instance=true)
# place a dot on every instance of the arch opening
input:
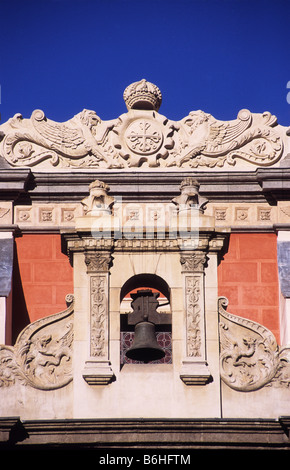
(154, 283)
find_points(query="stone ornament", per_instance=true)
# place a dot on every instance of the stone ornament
(98, 202)
(42, 355)
(141, 138)
(190, 197)
(142, 95)
(249, 355)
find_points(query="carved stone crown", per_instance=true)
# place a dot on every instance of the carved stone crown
(142, 95)
(97, 184)
(189, 182)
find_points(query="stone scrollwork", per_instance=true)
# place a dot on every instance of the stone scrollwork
(193, 316)
(141, 137)
(249, 355)
(42, 354)
(98, 316)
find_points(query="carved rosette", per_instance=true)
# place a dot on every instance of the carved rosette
(42, 355)
(249, 355)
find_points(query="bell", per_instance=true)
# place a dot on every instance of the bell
(145, 347)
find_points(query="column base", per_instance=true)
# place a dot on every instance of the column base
(98, 373)
(195, 373)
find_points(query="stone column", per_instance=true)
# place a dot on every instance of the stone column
(97, 369)
(194, 369)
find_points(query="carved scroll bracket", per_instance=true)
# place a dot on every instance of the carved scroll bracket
(249, 355)
(42, 355)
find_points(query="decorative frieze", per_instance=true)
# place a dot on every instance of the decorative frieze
(252, 214)
(46, 215)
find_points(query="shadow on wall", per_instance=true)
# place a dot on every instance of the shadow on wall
(20, 317)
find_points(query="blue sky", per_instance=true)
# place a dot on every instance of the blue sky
(216, 55)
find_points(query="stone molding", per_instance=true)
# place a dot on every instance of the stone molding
(59, 216)
(196, 434)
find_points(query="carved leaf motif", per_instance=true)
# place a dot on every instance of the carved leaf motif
(193, 313)
(98, 315)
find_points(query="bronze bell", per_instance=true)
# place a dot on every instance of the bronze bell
(145, 316)
(145, 347)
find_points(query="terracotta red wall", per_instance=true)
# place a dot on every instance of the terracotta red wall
(248, 277)
(43, 276)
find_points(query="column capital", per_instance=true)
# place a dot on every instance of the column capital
(193, 262)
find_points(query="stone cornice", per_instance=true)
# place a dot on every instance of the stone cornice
(260, 185)
(218, 433)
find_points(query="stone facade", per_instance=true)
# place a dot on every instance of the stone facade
(196, 210)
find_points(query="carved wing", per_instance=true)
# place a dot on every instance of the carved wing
(61, 135)
(67, 339)
(225, 136)
(210, 142)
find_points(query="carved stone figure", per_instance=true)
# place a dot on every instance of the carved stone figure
(141, 137)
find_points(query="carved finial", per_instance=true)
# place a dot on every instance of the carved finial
(142, 95)
(189, 197)
(98, 201)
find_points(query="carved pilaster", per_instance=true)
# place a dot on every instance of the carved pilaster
(194, 368)
(97, 369)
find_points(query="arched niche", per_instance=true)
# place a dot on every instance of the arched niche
(145, 280)
(163, 332)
